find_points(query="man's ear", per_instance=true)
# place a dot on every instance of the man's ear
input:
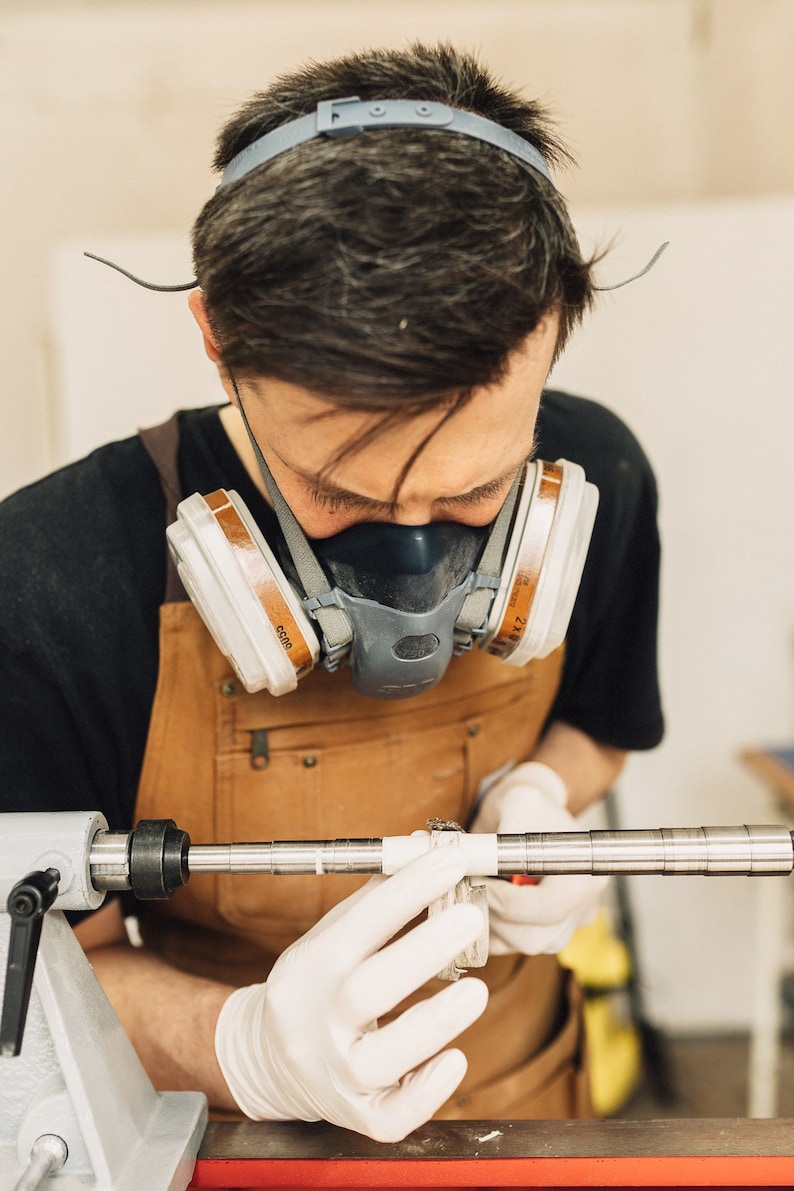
(211, 346)
(199, 311)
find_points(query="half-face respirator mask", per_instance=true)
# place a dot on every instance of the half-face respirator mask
(393, 602)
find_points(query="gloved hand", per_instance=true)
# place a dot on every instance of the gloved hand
(534, 919)
(306, 1044)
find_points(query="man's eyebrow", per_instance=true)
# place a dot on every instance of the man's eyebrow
(335, 492)
(483, 491)
(315, 480)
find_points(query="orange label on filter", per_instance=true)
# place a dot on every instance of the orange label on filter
(256, 570)
(529, 563)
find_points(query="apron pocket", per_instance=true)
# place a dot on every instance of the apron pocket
(361, 790)
(552, 1085)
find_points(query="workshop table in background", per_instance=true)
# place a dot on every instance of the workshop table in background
(775, 768)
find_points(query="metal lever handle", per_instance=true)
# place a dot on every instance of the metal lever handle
(27, 904)
(47, 1156)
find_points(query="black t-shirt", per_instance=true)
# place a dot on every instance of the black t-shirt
(83, 570)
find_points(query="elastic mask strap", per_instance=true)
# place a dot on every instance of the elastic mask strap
(346, 117)
(475, 607)
(333, 621)
(604, 289)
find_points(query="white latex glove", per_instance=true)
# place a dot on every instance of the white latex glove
(306, 1044)
(534, 919)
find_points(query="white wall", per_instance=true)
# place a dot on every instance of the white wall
(107, 114)
(699, 359)
(108, 110)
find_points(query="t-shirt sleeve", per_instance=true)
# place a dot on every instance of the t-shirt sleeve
(41, 767)
(81, 581)
(610, 687)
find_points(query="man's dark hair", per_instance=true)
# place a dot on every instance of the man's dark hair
(396, 269)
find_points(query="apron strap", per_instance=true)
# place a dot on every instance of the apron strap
(162, 445)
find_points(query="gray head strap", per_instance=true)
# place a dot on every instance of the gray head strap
(475, 607)
(334, 622)
(345, 117)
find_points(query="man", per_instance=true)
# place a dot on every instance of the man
(383, 309)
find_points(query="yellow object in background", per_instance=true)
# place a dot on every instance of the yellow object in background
(602, 965)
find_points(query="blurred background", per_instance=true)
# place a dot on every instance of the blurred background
(679, 113)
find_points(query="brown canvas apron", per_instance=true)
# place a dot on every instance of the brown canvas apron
(324, 762)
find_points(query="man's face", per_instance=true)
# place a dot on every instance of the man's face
(463, 474)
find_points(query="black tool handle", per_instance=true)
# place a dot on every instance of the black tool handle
(27, 904)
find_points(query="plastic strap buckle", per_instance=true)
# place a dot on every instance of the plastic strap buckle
(342, 117)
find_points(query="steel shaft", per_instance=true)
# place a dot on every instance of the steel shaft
(709, 851)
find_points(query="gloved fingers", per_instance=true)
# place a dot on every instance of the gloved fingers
(341, 908)
(540, 919)
(523, 809)
(386, 1055)
(487, 817)
(517, 822)
(551, 901)
(381, 981)
(509, 939)
(376, 915)
(392, 1114)
(529, 798)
